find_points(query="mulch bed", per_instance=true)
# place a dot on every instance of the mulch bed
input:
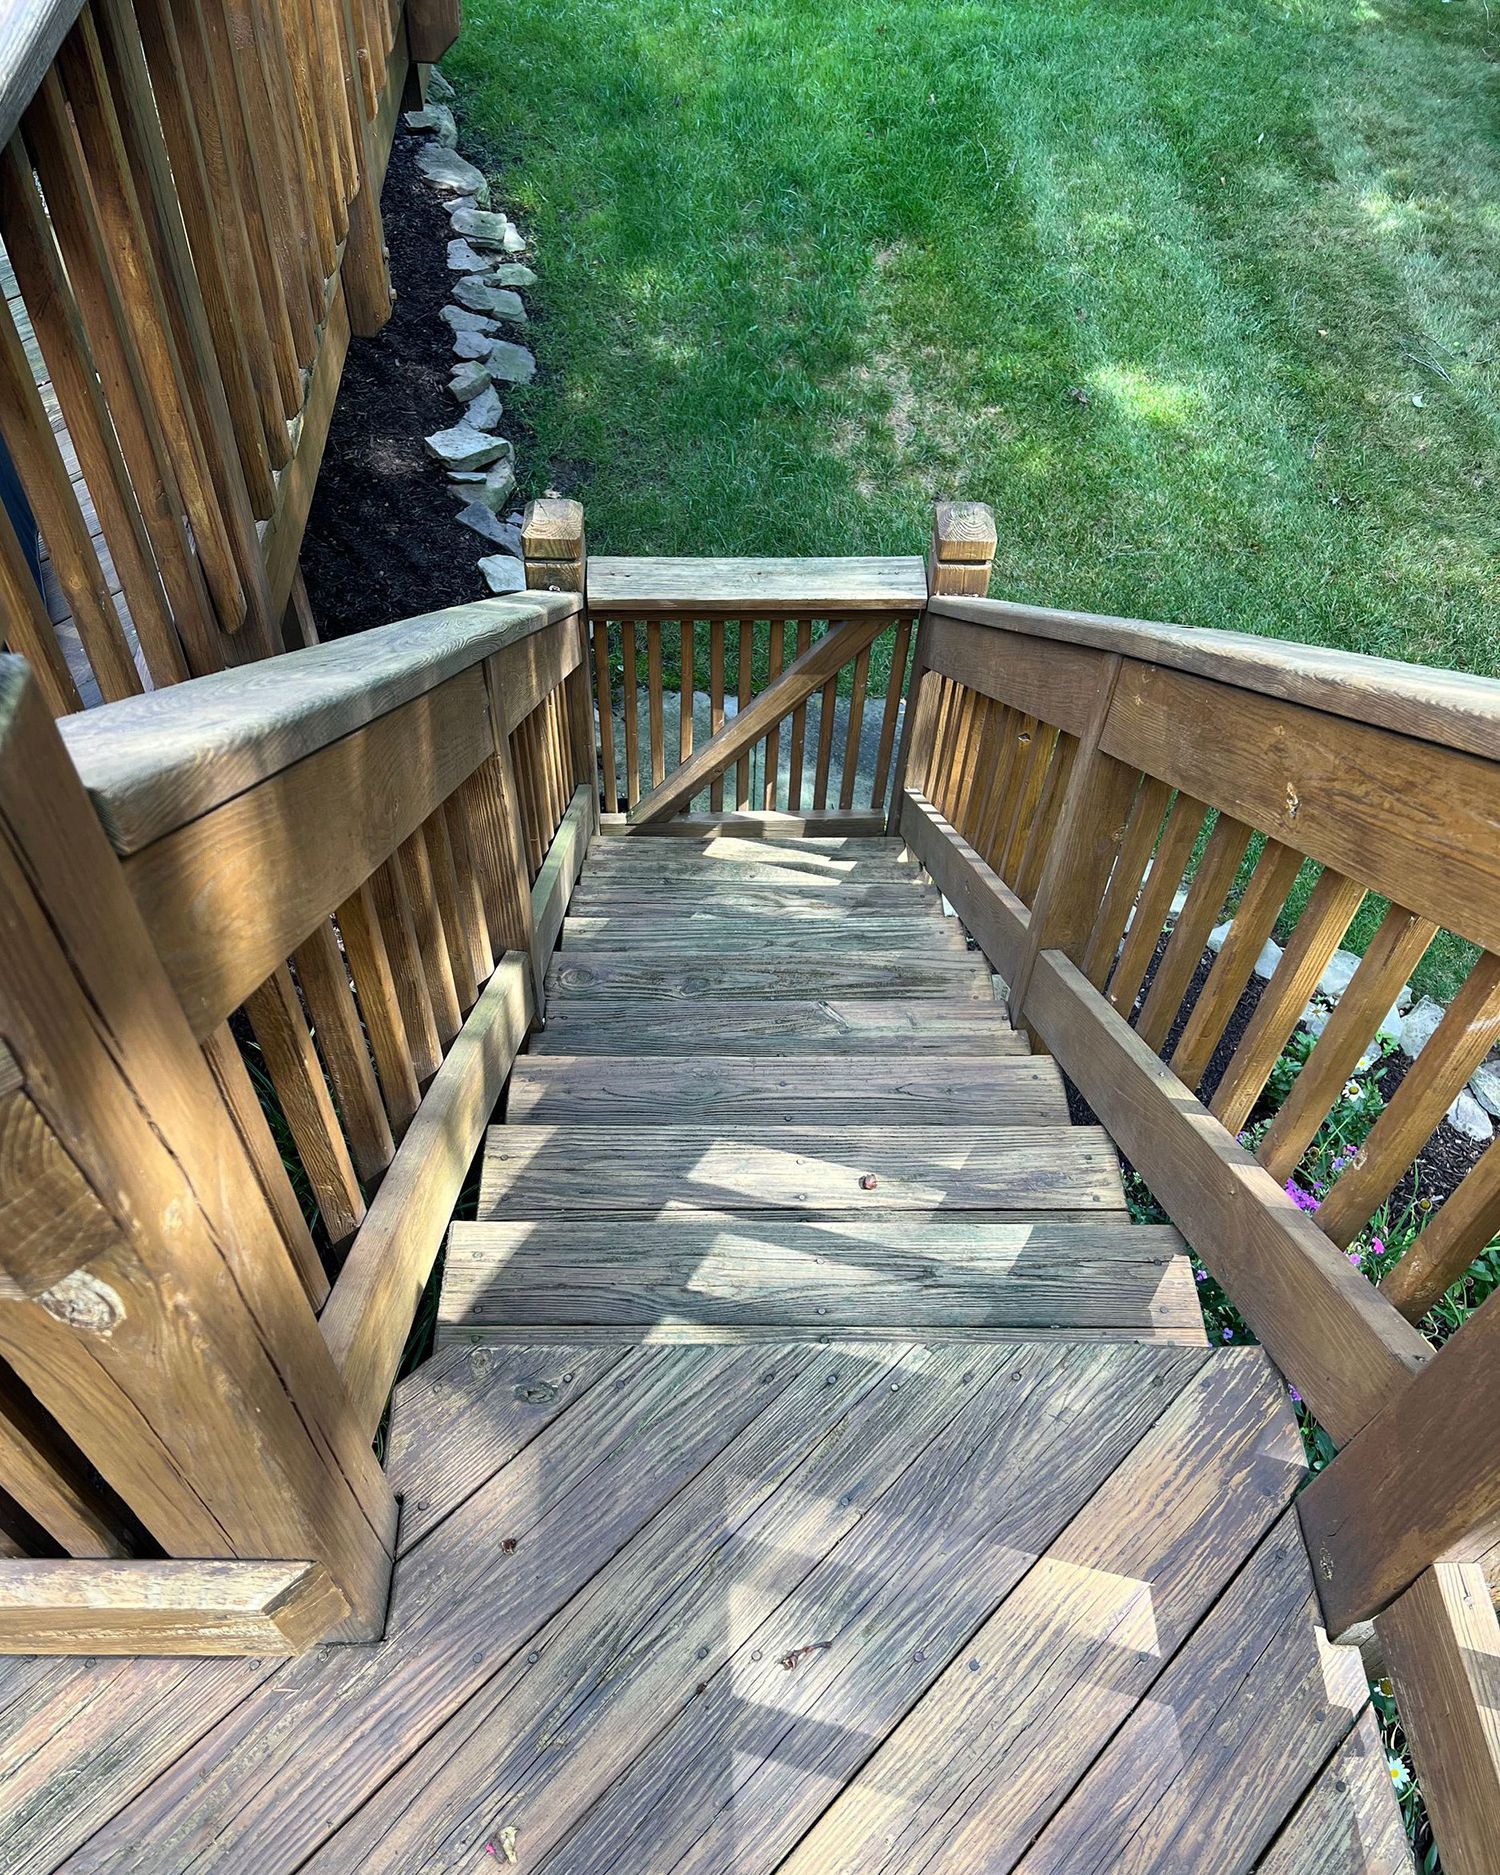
(382, 542)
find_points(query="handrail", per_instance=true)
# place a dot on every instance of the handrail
(339, 871)
(34, 29)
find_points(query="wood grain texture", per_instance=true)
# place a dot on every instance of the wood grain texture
(812, 588)
(691, 976)
(680, 1168)
(1349, 1823)
(828, 1026)
(701, 931)
(166, 1607)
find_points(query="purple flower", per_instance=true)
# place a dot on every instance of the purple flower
(1200, 1276)
(1296, 1397)
(1377, 1246)
(1304, 1200)
(1226, 1334)
(1356, 1259)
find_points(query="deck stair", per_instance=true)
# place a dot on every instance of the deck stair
(789, 1105)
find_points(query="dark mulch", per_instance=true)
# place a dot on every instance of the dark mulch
(382, 542)
(1445, 1160)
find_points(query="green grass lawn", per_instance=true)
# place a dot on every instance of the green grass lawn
(1201, 299)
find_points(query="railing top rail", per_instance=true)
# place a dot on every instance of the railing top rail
(631, 587)
(1432, 704)
(152, 763)
(34, 29)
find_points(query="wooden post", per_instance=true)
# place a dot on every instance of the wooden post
(147, 1299)
(431, 28)
(958, 565)
(553, 545)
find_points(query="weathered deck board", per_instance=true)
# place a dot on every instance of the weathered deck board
(825, 1026)
(816, 1090)
(840, 975)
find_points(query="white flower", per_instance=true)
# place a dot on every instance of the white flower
(1400, 1776)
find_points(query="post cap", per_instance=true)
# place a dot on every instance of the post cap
(552, 528)
(963, 531)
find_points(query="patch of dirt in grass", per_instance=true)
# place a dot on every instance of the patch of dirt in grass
(382, 539)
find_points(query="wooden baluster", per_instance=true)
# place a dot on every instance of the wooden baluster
(432, 943)
(931, 776)
(850, 772)
(1184, 823)
(380, 1005)
(799, 730)
(138, 289)
(686, 686)
(715, 706)
(964, 764)
(311, 93)
(297, 1075)
(895, 684)
(1317, 936)
(1001, 745)
(1390, 957)
(214, 229)
(50, 1478)
(826, 698)
(65, 349)
(655, 704)
(227, 1065)
(366, 273)
(1146, 805)
(1467, 1222)
(630, 698)
(26, 628)
(1043, 829)
(1460, 1042)
(771, 780)
(526, 795)
(369, 58)
(745, 639)
(308, 234)
(1227, 846)
(323, 977)
(467, 869)
(1028, 793)
(251, 179)
(387, 888)
(1274, 876)
(451, 909)
(604, 694)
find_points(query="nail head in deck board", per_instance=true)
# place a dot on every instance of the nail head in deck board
(597, 975)
(781, 1278)
(705, 588)
(123, 1607)
(829, 1090)
(812, 1168)
(618, 1026)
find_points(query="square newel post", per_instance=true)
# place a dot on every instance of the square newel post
(958, 566)
(556, 556)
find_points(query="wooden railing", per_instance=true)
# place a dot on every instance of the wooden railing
(190, 219)
(1070, 781)
(275, 930)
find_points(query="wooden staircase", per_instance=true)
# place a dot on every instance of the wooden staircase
(777, 1097)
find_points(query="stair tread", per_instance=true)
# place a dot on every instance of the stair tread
(688, 976)
(546, 1170)
(846, 938)
(764, 1090)
(788, 1026)
(719, 1275)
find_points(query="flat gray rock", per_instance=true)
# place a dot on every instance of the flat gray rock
(464, 259)
(438, 119)
(513, 364)
(502, 573)
(470, 381)
(478, 225)
(438, 87)
(490, 487)
(1419, 1027)
(472, 345)
(479, 520)
(462, 320)
(451, 174)
(511, 273)
(486, 410)
(1484, 1085)
(1470, 1119)
(496, 302)
(464, 447)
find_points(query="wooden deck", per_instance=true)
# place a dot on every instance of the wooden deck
(817, 1471)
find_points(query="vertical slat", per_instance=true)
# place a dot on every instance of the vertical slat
(380, 1005)
(1274, 876)
(432, 942)
(826, 697)
(745, 641)
(387, 888)
(656, 713)
(687, 682)
(270, 55)
(1467, 1222)
(491, 807)
(631, 699)
(1318, 932)
(771, 780)
(48, 294)
(1028, 794)
(142, 294)
(26, 628)
(1466, 1034)
(895, 685)
(227, 1065)
(528, 788)
(1043, 829)
(37, 460)
(1442, 1643)
(860, 684)
(48, 1476)
(1135, 849)
(798, 731)
(1390, 957)
(472, 914)
(324, 980)
(1002, 748)
(451, 908)
(1167, 866)
(320, 152)
(715, 704)
(297, 1075)
(605, 699)
(206, 35)
(1227, 846)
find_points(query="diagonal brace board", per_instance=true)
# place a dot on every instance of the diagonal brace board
(838, 646)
